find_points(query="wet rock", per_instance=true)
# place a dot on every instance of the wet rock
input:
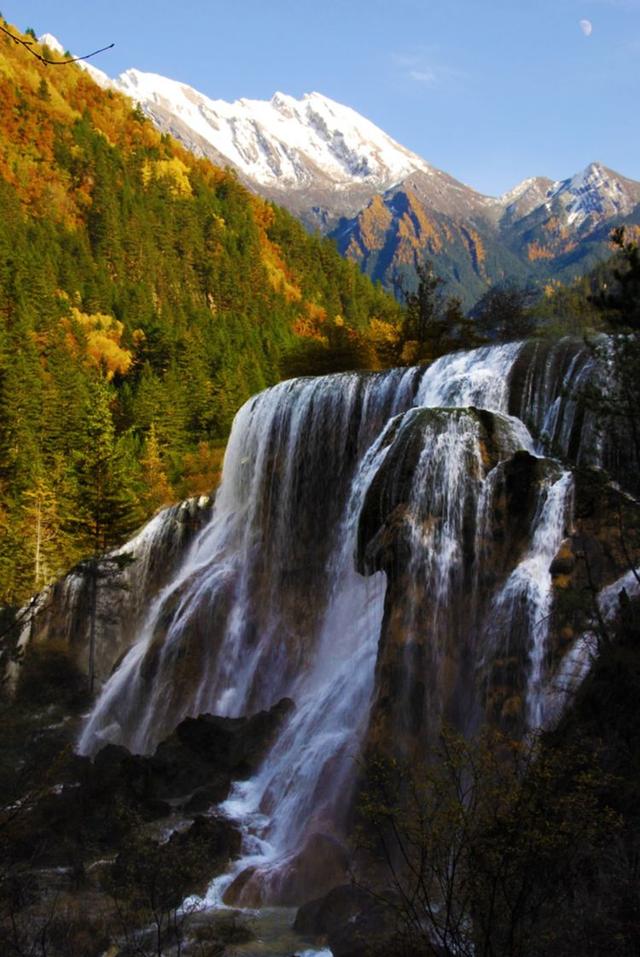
(351, 921)
(176, 771)
(96, 801)
(596, 554)
(388, 514)
(321, 864)
(564, 562)
(204, 797)
(200, 759)
(235, 893)
(232, 744)
(448, 533)
(194, 766)
(128, 578)
(218, 838)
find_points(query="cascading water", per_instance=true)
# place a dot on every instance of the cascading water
(415, 471)
(527, 592)
(126, 580)
(240, 623)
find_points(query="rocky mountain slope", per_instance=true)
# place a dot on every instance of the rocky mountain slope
(144, 295)
(386, 207)
(317, 157)
(539, 231)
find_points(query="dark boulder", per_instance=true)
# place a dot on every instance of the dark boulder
(176, 771)
(232, 744)
(209, 794)
(351, 921)
(217, 838)
(195, 764)
(326, 915)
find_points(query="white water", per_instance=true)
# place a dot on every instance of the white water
(577, 662)
(479, 378)
(303, 787)
(527, 592)
(268, 603)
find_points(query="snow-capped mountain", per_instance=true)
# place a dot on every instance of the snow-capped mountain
(386, 206)
(539, 230)
(283, 141)
(528, 195)
(597, 193)
(319, 158)
(325, 161)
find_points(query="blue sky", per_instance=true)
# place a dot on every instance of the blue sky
(491, 91)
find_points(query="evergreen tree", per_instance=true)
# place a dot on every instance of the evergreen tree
(423, 314)
(123, 256)
(505, 313)
(434, 325)
(620, 298)
(107, 507)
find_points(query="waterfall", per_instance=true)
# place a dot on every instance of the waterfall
(527, 592)
(433, 480)
(149, 560)
(547, 389)
(240, 623)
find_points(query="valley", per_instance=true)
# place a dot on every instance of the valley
(319, 535)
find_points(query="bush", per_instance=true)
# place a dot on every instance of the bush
(48, 676)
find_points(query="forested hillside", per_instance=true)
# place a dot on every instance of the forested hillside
(144, 295)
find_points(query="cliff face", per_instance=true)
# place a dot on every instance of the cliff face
(128, 580)
(393, 552)
(465, 543)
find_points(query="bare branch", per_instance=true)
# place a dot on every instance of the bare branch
(28, 45)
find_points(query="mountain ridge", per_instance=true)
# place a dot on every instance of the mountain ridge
(326, 164)
(145, 294)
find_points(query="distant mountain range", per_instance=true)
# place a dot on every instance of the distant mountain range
(385, 206)
(539, 231)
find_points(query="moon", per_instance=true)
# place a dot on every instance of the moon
(587, 27)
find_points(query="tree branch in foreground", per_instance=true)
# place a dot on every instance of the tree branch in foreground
(28, 45)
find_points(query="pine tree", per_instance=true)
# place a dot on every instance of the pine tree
(620, 300)
(106, 500)
(107, 504)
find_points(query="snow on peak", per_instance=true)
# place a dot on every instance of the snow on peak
(594, 192)
(48, 40)
(526, 186)
(313, 145)
(283, 142)
(524, 198)
(97, 75)
(593, 175)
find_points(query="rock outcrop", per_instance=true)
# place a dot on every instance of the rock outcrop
(449, 558)
(128, 579)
